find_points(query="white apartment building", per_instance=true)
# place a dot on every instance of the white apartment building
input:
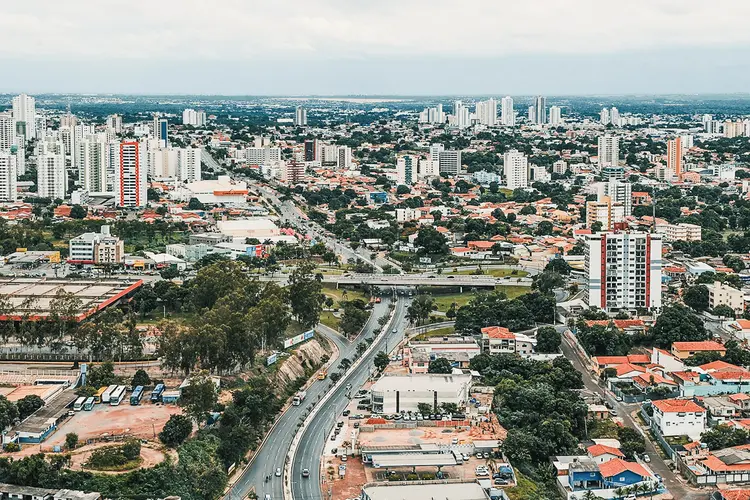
(559, 167)
(623, 271)
(616, 191)
(555, 116)
(679, 417)
(300, 116)
(449, 162)
(114, 123)
(193, 117)
(486, 112)
(397, 393)
(508, 114)
(461, 117)
(8, 177)
(499, 340)
(609, 151)
(679, 232)
(24, 115)
(605, 211)
(91, 163)
(721, 294)
(540, 110)
(51, 177)
(344, 158)
(432, 115)
(516, 169)
(130, 175)
(7, 131)
(160, 130)
(407, 214)
(604, 118)
(406, 169)
(96, 248)
(262, 156)
(188, 164)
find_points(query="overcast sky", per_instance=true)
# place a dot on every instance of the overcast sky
(375, 46)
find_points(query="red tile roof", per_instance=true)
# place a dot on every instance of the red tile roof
(639, 359)
(610, 360)
(627, 368)
(618, 465)
(498, 332)
(706, 345)
(677, 406)
(736, 494)
(719, 365)
(600, 449)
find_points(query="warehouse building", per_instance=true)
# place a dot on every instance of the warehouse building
(397, 393)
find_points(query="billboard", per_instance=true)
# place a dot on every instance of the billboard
(297, 339)
(272, 359)
(254, 251)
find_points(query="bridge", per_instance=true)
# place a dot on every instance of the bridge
(384, 280)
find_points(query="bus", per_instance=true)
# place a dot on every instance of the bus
(78, 405)
(89, 404)
(106, 395)
(135, 398)
(156, 393)
(116, 397)
(98, 395)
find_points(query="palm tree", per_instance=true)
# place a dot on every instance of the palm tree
(590, 495)
(620, 492)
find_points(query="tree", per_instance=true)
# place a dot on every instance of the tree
(449, 407)
(631, 441)
(195, 204)
(419, 310)
(440, 365)
(559, 266)
(402, 190)
(547, 281)
(544, 228)
(354, 317)
(71, 440)
(78, 212)
(176, 430)
(548, 340)
(305, 294)
(140, 378)
(724, 436)
(425, 408)
(102, 375)
(723, 310)
(677, 324)
(431, 241)
(696, 297)
(381, 360)
(28, 405)
(199, 397)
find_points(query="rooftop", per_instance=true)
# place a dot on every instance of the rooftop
(617, 466)
(677, 406)
(434, 491)
(706, 345)
(421, 382)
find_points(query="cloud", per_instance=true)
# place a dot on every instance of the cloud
(247, 30)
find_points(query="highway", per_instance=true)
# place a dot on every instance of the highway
(272, 453)
(314, 436)
(411, 280)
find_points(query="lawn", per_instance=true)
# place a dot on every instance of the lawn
(603, 429)
(513, 291)
(328, 319)
(342, 293)
(440, 332)
(444, 302)
(497, 273)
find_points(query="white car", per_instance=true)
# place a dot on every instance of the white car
(278, 471)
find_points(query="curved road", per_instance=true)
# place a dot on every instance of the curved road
(314, 436)
(272, 453)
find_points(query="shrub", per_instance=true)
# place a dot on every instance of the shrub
(71, 440)
(12, 447)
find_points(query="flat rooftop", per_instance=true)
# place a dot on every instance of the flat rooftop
(33, 297)
(421, 382)
(413, 460)
(442, 491)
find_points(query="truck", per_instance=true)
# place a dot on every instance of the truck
(299, 397)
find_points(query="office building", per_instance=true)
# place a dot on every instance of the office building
(406, 169)
(508, 114)
(674, 156)
(609, 151)
(24, 115)
(91, 163)
(555, 116)
(7, 131)
(486, 112)
(623, 271)
(516, 169)
(618, 192)
(396, 393)
(114, 123)
(96, 248)
(161, 130)
(130, 175)
(51, 177)
(188, 164)
(8, 177)
(300, 116)
(449, 162)
(193, 117)
(540, 110)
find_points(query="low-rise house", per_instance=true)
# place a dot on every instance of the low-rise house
(499, 340)
(678, 417)
(600, 453)
(740, 328)
(720, 409)
(617, 473)
(667, 361)
(684, 350)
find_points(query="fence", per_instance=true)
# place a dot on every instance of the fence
(656, 433)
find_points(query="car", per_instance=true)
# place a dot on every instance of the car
(267, 497)
(646, 458)
(346, 413)
(501, 482)
(334, 451)
(485, 455)
(630, 497)
(419, 416)
(278, 471)
(618, 399)
(465, 457)
(343, 457)
(657, 476)
(479, 455)
(356, 425)
(454, 441)
(339, 424)
(305, 473)
(333, 437)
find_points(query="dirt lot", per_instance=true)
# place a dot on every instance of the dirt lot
(143, 421)
(150, 457)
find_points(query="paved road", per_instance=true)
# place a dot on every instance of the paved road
(676, 487)
(273, 453)
(314, 436)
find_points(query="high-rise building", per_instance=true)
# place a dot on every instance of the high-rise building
(609, 151)
(114, 123)
(130, 176)
(449, 162)
(515, 169)
(532, 114)
(91, 163)
(300, 116)
(51, 176)
(559, 167)
(262, 155)
(555, 116)
(161, 130)
(432, 115)
(24, 115)
(193, 117)
(406, 169)
(616, 191)
(344, 158)
(461, 118)
(486, 112)
(508, 114)
(604, 118)
(623, 271)
(614, 116)
(188, 164)
(7, 131)
(8, 177)
(604, 211)
(540, 106)
(293, 171)
(674, 156)
(313, 150)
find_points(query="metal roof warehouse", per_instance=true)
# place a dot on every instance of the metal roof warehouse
(441, 491)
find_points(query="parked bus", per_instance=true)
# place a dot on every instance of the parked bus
(98, 395)
(116, 397)
(135, 398)
(156, 393)
(106, 395)
(89, 404)
(78, 405)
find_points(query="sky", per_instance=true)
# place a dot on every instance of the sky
(416, 47)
